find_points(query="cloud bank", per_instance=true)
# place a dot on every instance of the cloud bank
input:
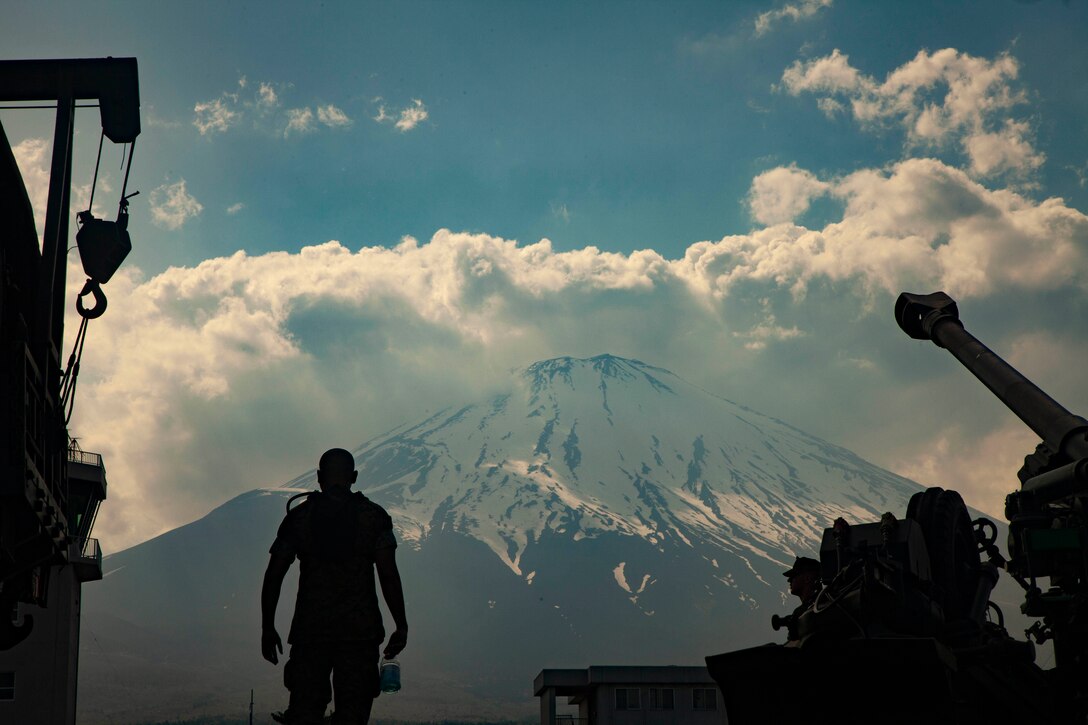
(197, 383)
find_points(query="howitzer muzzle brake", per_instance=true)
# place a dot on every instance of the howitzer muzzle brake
(917, 314)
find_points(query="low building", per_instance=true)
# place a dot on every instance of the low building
(665, 695)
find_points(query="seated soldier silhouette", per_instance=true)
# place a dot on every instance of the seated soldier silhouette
(804, 583)
(340, 538)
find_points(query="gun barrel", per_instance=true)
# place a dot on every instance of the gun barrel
(935, 317)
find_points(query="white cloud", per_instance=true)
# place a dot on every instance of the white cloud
(216, 116)
(264, 106)
(172, 206)
(922, 224)
(299, 120)
(266, 96)
(332, 116)
(412, 116)
(235, 208)
(405, 119)
(940, 98)
(784, 193)
(792, 11)
(1007, 149)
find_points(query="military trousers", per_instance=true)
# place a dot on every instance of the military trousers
(355, 681)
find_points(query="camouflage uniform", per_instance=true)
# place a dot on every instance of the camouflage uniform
(337, 625)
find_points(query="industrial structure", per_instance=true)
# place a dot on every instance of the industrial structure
(50, 489)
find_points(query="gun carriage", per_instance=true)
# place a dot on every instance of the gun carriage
(904, 629)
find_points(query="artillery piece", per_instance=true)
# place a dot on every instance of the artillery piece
(903, 630)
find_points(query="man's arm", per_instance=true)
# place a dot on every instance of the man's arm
(386, 563)
(270, 598)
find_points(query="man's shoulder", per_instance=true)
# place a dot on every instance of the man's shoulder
(368, 508)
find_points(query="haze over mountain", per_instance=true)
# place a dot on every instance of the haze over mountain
(600, 511)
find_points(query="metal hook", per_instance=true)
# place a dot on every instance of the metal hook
(92, 288)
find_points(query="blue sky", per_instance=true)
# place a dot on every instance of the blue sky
(788, 165)
(619, 125)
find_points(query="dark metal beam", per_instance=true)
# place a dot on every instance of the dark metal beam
(113, 81)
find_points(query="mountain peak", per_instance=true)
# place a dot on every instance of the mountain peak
(599, 368)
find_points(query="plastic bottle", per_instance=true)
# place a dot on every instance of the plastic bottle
(390, 675)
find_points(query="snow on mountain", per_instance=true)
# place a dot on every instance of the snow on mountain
(583, 447)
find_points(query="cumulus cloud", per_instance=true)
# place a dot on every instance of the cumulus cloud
(235, 208)
(940, 98)
(412, 116)
(172, 205)
(921, 224)
(332, 116)
(264, 106)
(792, 11)
(216, 116)
(405, 119)
(784, 193)
(299, 120)
(267, 96)
(991, 153)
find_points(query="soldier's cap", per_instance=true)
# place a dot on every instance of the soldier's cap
(801, 565)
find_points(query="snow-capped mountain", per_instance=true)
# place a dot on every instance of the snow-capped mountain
(579, 448)
(599, 511)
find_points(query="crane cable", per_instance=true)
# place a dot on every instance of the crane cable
(71, 371)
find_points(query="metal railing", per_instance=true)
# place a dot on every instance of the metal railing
(86, 457)
(85, 550)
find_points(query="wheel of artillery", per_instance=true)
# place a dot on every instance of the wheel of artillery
(953, 553)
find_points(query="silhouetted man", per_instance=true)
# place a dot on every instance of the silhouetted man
(804, 582)
(340, 538)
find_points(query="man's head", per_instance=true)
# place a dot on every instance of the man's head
(336, 469)
(803, 576)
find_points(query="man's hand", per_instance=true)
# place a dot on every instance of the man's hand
(396, 643)
(270, 644)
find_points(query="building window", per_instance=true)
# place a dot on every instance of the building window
(661, 698)
(704, 698)
(7, 685)
(627, 698)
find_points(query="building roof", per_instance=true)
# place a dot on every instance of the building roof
(573, 682)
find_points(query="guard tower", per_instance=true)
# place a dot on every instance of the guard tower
(50, 490)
